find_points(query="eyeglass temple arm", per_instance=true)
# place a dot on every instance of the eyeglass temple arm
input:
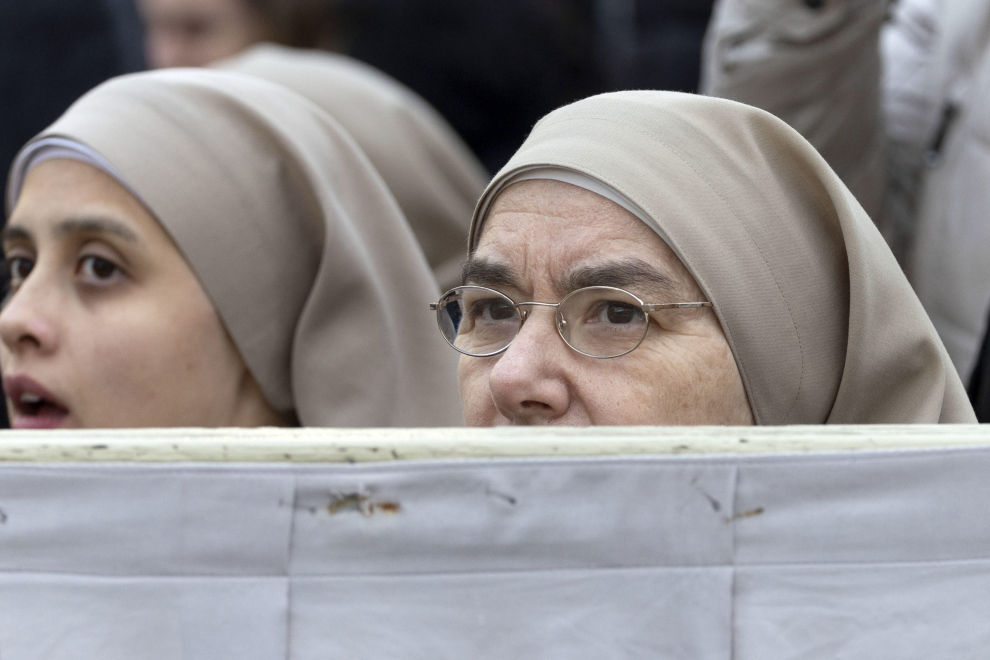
(648, 307)
(435, 306)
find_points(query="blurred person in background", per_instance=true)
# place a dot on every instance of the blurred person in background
(202, 248)
(492, 69)
(895, 99)
(197, 32)
(434, 176)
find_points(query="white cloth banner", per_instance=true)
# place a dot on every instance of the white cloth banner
(838, 555)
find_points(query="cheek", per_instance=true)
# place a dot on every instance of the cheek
(476, 396)
(157, 364)
(678, 380)
(159, 341)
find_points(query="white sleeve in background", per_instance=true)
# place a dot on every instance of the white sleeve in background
(948, 263)
(911, 98)
(816, 65)
(913, 107)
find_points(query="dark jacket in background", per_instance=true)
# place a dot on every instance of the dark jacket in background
(493, 69)
(979, 384)
(51, 53)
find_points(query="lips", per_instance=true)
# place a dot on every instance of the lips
(34, 406)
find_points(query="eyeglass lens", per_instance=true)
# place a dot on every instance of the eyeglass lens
(596, 321)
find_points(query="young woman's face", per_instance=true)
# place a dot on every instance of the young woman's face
(105, 324)
(545, 239)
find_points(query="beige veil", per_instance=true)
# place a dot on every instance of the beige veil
(822, 322)
(293, 235)
(433, 175)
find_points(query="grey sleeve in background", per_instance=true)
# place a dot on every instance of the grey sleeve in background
(913, 110)
(816, 65)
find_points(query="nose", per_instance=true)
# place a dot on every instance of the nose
(529, 382)
(26, 321)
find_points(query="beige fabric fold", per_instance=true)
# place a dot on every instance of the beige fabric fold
(822, 322)
(433, 175)
(292, 233)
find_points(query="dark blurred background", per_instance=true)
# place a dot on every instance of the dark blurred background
(53, 51)
(494, 68)
(491, 68)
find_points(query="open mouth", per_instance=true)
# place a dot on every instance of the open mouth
(34, 407)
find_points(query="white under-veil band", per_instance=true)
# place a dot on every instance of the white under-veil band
(574, 178)
(50, 148)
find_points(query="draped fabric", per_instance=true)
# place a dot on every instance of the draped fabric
(434, 177)
(856, 554)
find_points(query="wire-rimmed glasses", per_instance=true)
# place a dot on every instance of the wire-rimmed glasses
(597, 321)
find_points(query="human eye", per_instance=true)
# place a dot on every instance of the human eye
(98, 270)
(18, 268)
(492, 310)
(616, 313)
(598, 322)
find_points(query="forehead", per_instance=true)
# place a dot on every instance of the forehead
(64, 181)
(61, 188)
(545, 230)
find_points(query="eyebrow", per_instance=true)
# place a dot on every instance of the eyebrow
(488, 273)
(620, 274)
(95, 226)
(14, 233)
(75, 226)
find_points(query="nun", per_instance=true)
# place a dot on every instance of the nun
(202, 248)
(434, 176)
(660, 258)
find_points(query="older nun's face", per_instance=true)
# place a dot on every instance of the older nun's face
(543, 239)
(105, 324)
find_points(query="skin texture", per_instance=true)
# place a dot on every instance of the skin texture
(197, 32)
(682, 373)
(107, 316)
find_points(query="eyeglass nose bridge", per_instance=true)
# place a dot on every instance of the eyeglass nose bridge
(524, 313)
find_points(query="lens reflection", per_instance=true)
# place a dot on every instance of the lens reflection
(478, 321)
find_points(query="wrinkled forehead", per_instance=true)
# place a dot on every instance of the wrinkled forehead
(551, 234)
(550, 196)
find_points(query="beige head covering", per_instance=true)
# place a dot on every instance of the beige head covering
(821, 321)
(433, 175)
(293, 235)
